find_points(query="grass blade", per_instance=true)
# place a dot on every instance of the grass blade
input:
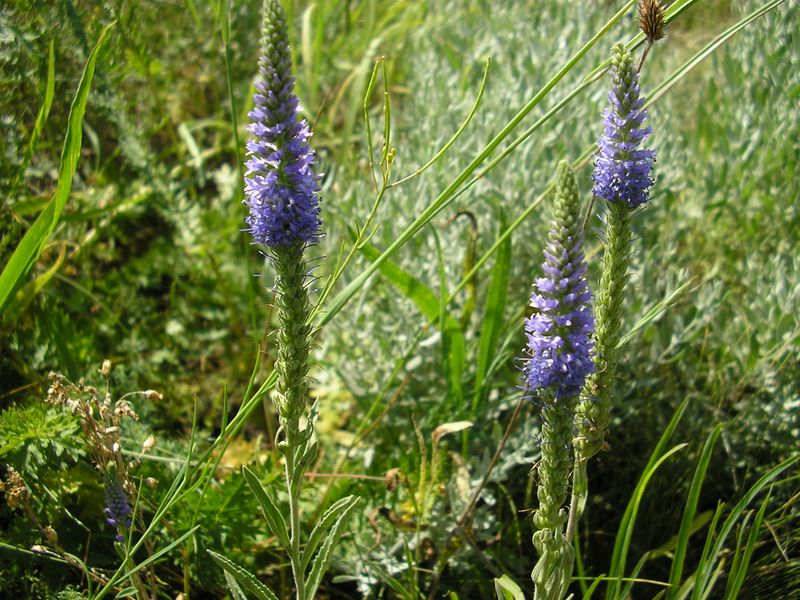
(737, 576)
(705, 575)
(492, 317)
(676, 571)
(449, 193)
(623, 538)
(30, 248)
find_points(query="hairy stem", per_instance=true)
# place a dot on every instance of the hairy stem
(553, 570)
(292, 384)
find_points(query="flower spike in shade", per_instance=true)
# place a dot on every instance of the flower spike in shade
(622, 169)
(280, 183)
(118, 509)
(559, 332)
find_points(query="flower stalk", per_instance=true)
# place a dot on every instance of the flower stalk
(281, 189)
(560, 349)
(622, 177)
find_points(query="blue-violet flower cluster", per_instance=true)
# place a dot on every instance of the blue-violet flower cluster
(280, 185)
(559, 332)
(622, 169)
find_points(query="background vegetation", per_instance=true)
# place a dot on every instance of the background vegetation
(148, 268)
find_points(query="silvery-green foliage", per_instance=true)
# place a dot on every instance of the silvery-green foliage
(446, 66)
(727, 222)
(703, 180)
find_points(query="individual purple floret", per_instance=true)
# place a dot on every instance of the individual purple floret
(621, 168)
(559, 331)
(280, 183)
(117, 510)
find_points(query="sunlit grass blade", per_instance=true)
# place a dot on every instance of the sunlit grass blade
(493, 315)
(585, 156)
(738, 572)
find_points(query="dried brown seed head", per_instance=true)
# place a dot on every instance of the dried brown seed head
(651, 19)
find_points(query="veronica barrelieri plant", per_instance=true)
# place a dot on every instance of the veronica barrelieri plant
(622, 177)
(281, 189)
(560, 358)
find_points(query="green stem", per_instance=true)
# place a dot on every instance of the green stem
(295, 557)
(291, 366)
(594, 408)
(552, 572)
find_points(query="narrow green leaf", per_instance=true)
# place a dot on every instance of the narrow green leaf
(453, 345)
(413, 289)
(323, 558)
(662, 88)
(25, 296)
(243, 576)
(593, 588)
(676, 571)
(323, 525)
(737, 576)
(449, 193)
(30, 248)
(705, 579)
(655, 311)
(274, 518)
(194, 151)
(507, 589)
(236, 591)
(306, 51)
(625, 532)
(492, 316)
(162, 552)
(385, 577)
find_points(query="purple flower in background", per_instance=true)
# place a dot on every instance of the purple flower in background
(621, 168)
(280, 183)
(559, 331)
(117, 510)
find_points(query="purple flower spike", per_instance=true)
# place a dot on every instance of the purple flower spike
(280, 183)
(118, 509)
(559, 331)
(621, 169)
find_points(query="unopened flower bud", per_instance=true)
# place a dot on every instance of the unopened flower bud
(106, 368)
(153, 395)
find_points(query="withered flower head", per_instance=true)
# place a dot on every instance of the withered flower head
(17, 493)
(651, 19)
